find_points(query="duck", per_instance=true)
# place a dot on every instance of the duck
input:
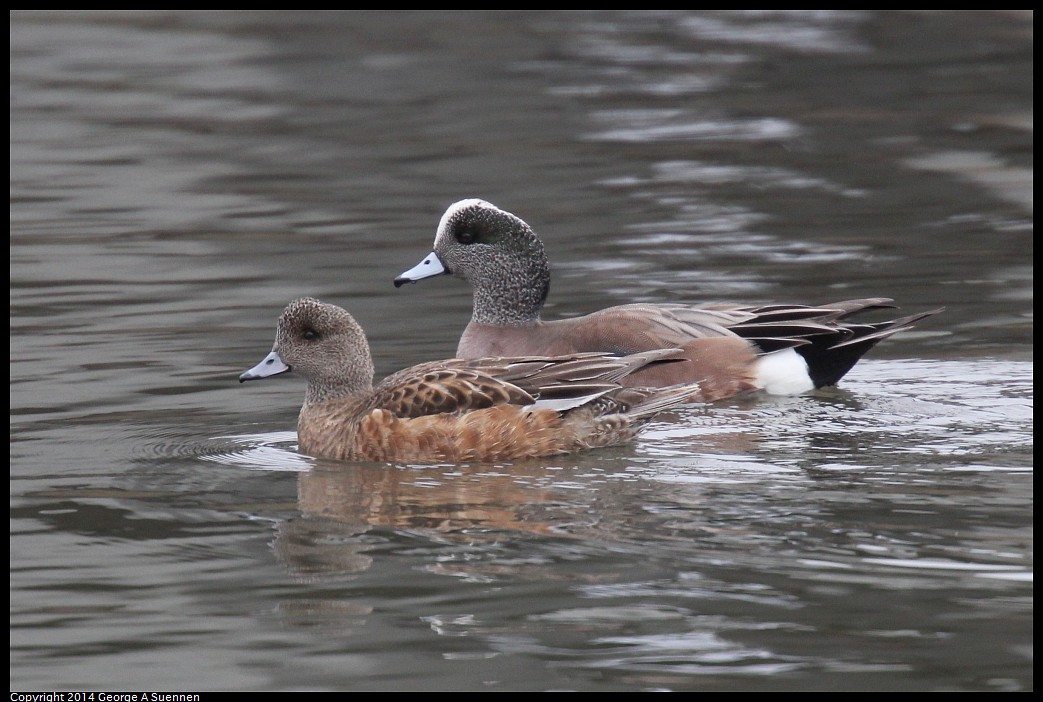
(731, 348)
(488, 409)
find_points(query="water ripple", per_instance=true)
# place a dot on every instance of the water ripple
(275, 451)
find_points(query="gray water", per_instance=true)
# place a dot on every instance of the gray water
(177, 178)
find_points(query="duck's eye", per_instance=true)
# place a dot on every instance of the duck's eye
(310, 334)
(466, 236)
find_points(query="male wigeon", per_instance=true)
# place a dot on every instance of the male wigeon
(731, 348)
(455, 411)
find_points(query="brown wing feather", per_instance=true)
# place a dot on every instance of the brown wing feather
(457, 386)
(443, 391)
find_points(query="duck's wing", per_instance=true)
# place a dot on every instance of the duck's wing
(770, 327)
(437, 388)
(458, 386)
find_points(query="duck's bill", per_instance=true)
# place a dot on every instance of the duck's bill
(428, 268)
(271, 365)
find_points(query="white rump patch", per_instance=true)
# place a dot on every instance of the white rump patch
(783, 373)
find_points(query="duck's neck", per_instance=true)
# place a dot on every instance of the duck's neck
(352, 380)
(316, 394)
(514, 301)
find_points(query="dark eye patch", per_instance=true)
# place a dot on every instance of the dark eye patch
(310, 334)
(477, 233)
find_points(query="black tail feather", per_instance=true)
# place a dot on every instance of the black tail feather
(826, 339)
(829, 359)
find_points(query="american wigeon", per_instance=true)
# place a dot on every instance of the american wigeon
(731, 348)
(455, 411)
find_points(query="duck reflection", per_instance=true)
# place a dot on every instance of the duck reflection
(346, 509)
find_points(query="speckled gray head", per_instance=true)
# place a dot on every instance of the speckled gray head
(497, 253)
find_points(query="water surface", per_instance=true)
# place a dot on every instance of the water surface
(176, 178)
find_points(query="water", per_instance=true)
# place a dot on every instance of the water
(176, 178)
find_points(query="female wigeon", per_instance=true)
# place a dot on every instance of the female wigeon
(731, 348)
(455, 411)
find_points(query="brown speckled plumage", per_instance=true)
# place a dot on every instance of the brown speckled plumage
(455, 411)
